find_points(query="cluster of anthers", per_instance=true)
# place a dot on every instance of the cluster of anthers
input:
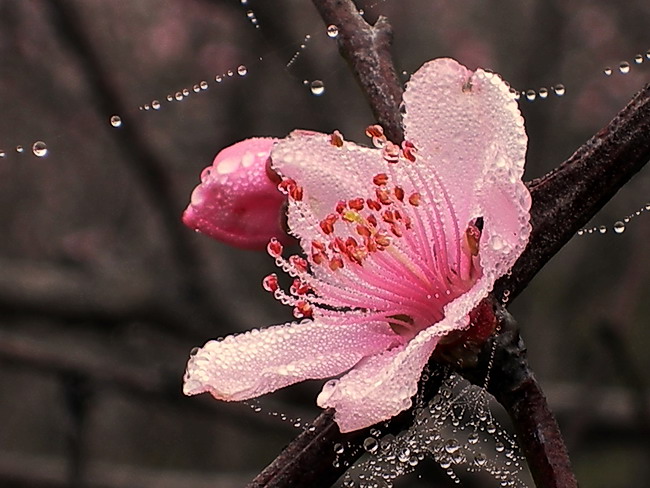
(355, 230)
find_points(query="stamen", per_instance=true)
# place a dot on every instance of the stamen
(270, 283)
(380, 179)
(336, 139)
(414, 199)
(274, 248)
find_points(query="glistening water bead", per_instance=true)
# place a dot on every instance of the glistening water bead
(116, 121)
(317, 87)
(39, 148)
(332, 31)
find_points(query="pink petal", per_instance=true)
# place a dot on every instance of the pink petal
(468, 127)
(236, 202)
(381, 386)
(261, 361)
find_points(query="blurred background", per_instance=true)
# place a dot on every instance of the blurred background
(103, 292)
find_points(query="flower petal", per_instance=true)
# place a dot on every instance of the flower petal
(261, 361)
(381, 386)
(236, 202)
(468, 127)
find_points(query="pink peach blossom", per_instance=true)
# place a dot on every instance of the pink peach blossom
(401, 243)
(236, 201)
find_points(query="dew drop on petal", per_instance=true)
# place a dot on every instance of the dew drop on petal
(332, 31)
(619, 227)
(39, 148)
(116, 121)
(317, 87)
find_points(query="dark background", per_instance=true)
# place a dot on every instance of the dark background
(103, 292)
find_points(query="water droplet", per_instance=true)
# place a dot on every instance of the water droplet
(230, 72)
(170, 98)
(647, 54)
(480, 459)
(332, 31)
(531, 95)
(178, 96)
(116, 121)
(155, 105)
(607, 71)
(194, 351)
(147, 106)
(370, 444)
(20, 149)
(638, 59)
(338, 448)
(559, 89)
(499, 447)
(196, 88)
(451, 446)
(218, 78)
(543, 92)
(619, 227)
(39, 148)
(317, 87)
(602, 229)
(204, 85)
(3, 154)
(624, 67)
(472, 438)
(491, 429)
(186, 92)
(242, 70)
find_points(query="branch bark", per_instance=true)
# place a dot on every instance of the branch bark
(563, 201)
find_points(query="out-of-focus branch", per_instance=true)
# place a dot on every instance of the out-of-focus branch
(149, 172)
(367, 50)
(563, 201)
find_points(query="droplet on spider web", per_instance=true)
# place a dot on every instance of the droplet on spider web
(242, 70)
(332, 31)
(20, 149)
(455, 429)
(299, 51)
(619, 226)
(559, 89)
(624, 67)
(39, 148)
(317, 87)
(116, 121)
(3, 154)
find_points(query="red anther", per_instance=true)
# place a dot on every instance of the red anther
(382, 239)
(299, 263)
(390, 152)
(338, 245)
(388, 216)
(398, 215)
(327, 224)
(295, 192)
(336, 139)
(380, 179)
(373, 205)
(414, 199)
(409, 151)
(399, 193)
(341, 206)
(356, 204)
(303, 310)
(358, 254)
(396, 230)
(318, 257)
(383, 196)
(407, 222)
(299, 287)
(274, 248)
(336, 263)
(318, 246)
(375, 131)
(370, 244)
(473, 236)
(351, 242)
(363, 231)
(270, 282)
(372, 220)
(286, 185)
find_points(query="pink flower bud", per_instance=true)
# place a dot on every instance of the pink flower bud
(236, 201)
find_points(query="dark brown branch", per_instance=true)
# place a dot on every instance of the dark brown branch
(566, 199)
(367, 49)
